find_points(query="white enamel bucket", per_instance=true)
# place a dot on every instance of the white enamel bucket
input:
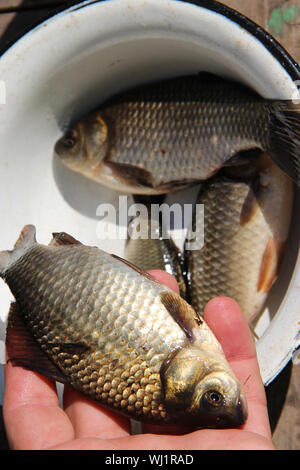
(76, 59)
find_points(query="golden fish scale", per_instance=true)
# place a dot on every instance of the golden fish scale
(82, 295)
(198, 133)
(229, 264)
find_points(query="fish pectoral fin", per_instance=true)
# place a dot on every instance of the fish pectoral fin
(25, 241)
(244, 157)
(26, 237)
(24, 351)
(63, 238)
(135, 176)
(176, 185)
(184, 315)
(270, 265)
(250, 206)
(131, 174)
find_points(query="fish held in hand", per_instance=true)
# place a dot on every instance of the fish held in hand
(168, 135)
(91, 320)
(247, 215)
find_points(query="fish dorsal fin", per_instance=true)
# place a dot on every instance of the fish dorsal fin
(136, 268)
(186, 317)
(63, 238)
(24, 351)
(26, 237)
(25, 241)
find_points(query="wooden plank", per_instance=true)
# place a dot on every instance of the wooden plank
(26, 15)
(17, 4)
(9, 3)
(281, 18)
(287, 432)
(5, 19)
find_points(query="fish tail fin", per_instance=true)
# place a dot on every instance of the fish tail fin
(284, 137)
(25, 241)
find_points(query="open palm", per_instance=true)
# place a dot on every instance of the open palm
(34, 419)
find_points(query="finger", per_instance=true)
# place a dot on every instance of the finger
(89, 419)
(154, 429)
(225, 318)
(31, 411)
(225, 439)
(165, 278)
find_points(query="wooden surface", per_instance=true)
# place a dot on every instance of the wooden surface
(281, 19)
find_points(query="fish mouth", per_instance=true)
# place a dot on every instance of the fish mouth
(235, 419)
(232, 416)
(242, 411)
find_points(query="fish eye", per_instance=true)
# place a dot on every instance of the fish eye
(70, 139)
(213, 398)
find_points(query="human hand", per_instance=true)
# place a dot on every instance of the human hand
(34, 420)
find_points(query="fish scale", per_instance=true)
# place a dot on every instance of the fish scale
(198, 128)
(118, 338)
(168, 135)
(115, 334)
(216, 279)
(241, 258)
